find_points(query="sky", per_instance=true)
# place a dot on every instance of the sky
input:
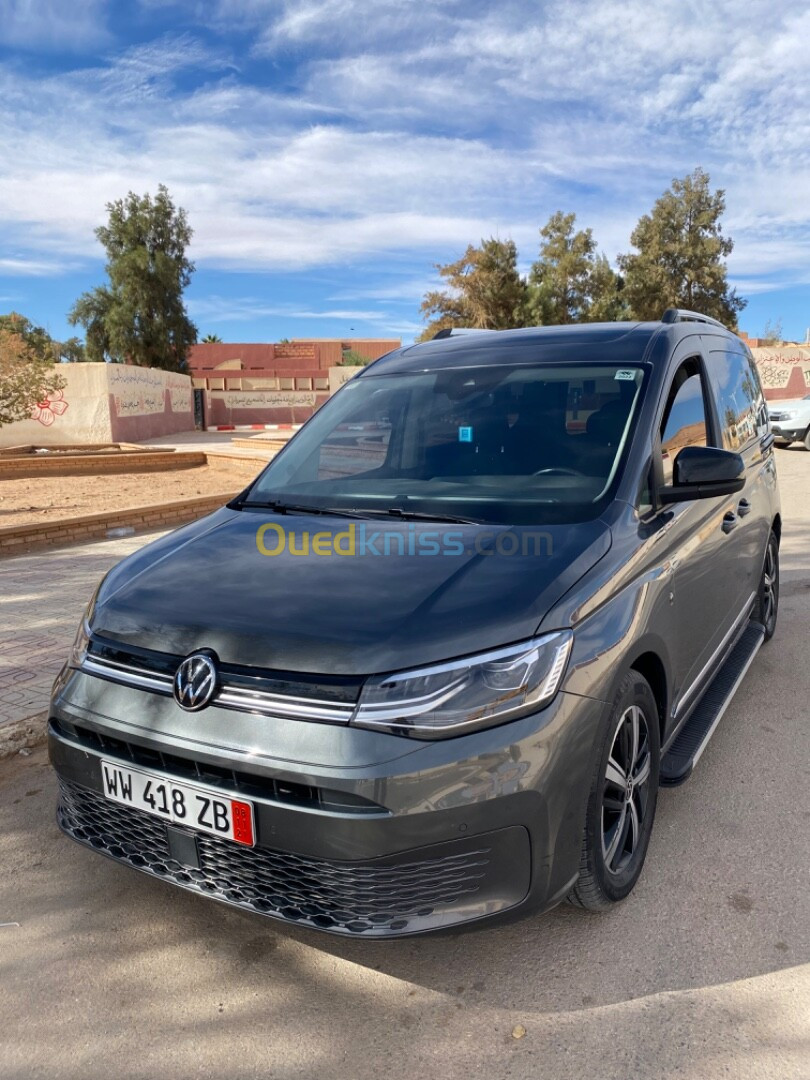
(329, 153)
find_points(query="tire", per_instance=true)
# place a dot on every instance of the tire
(619, 817)
(767, 606)
(782, 444)
(806, 439)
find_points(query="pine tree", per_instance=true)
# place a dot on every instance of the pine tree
(486, 291)
(570, 282)
(680, 253)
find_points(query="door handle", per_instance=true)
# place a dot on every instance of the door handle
(729, 521)
(743, 507)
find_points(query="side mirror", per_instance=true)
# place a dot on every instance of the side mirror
(704, 472)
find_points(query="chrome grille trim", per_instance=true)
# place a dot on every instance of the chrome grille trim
(230, 695)
(294, 708)
(127, 674)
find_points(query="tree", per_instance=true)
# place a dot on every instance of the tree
(607, 302)
(25, 377)
(39, 342)
(486, 291)
(72, 351)
(679, 261)
(570, 282)
(772, 332)
(211, 339)
(352, 358)
(139, 316)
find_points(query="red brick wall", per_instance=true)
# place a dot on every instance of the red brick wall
(302, 359)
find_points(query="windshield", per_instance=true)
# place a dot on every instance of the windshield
(492, 444)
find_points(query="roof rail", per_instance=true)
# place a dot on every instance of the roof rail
(673, 315)
(458, 331)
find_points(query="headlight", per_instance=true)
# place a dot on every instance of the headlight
(790, 414)
(464, 695)
(81, 643)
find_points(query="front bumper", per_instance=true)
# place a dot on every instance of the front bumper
(447, 832)
(786, 431)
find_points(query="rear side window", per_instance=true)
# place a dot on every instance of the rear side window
(684, 420)
(738, 396)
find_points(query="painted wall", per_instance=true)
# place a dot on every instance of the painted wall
(107, 403)
(274, 383)
(147, 402)
(784, 370)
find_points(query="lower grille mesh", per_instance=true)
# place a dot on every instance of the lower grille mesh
(356, 898)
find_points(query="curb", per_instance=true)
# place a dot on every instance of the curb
(20, 539)
(28, 467)
(253, 427)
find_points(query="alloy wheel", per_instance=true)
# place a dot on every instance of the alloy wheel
(770, 586)
(625, 796)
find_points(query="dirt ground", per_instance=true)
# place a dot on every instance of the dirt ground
(46, 499)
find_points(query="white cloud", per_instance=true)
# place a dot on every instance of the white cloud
(412, 133)
(51, 24)
(31, 268)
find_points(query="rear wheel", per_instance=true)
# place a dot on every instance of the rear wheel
(621, 804)
(768, 599)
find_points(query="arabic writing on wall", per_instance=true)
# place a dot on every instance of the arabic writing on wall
(264, 399)
(141, 391)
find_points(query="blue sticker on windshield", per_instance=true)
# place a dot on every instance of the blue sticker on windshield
(465, 434)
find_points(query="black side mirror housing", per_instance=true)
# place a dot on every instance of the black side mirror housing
(704, 472)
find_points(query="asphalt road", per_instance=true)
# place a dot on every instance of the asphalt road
(703, 973)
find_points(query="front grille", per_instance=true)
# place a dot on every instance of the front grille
(377, 898)
(280, 791)
(297, 695)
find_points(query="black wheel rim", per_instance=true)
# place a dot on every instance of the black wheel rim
(626, 793)
(770, 586)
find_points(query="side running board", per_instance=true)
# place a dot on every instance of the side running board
(684, 754)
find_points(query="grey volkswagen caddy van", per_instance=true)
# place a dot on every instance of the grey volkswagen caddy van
(434, 663)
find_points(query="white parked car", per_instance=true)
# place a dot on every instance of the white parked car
(790, 420)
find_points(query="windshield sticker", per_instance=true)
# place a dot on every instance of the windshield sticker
(628, 376)
(465, 434)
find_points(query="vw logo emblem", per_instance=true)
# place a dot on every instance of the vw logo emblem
(195, 681)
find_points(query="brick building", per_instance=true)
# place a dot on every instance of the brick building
(273, 384)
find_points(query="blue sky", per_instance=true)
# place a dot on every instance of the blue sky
(330, 152)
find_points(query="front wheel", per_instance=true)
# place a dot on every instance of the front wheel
(807, 439)
(768, 598)
(621, 804)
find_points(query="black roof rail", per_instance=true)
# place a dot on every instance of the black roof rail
(458, 331)
(673, 315)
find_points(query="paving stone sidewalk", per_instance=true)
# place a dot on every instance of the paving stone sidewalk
(42, 597)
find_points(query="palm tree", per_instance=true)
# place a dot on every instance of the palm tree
(211, 339)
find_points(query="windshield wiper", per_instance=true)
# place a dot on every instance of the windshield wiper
(293, 508)
(279, 507)
(418, 515)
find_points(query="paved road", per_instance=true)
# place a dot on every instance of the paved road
(703, 973)
(42, 597)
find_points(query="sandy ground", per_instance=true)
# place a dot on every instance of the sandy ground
(46, 499)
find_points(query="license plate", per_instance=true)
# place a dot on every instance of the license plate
(202, 809)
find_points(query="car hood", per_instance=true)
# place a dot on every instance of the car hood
(208, 586)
